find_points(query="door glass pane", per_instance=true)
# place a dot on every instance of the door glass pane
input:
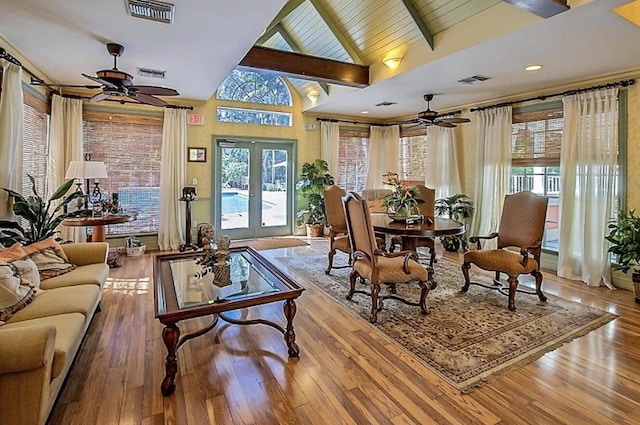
(273, 211)
(234, 188)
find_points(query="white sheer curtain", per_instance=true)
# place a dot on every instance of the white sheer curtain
(172, 179)
(588, 163)
(383, 153)
(442, 162)
(11, 133)
(65, 145)
(330, 145)
(493, 167)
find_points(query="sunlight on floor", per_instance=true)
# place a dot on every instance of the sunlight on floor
(135, 286)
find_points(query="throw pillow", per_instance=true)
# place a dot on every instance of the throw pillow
(49, 258)
(15, 251)
(14, 295)
(27, 269)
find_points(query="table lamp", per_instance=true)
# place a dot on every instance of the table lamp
(87, 170)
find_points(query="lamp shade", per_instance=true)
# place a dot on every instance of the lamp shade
(86, 170)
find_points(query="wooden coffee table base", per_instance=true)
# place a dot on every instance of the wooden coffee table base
(173, 341)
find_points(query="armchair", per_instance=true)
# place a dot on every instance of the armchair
(521, 226)
(369, 263)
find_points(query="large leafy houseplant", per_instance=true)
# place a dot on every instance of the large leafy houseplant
(403, 200)
(624, 236)
(313, 181)
(455, 207)
(42, 216)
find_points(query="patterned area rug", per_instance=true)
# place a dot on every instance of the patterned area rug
(466, 338)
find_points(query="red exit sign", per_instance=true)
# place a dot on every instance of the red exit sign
(195, 119)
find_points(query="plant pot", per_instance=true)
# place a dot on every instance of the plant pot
(635, 277)
(450, 243)
(314, 230)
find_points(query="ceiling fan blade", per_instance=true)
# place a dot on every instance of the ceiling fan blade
(101, 81)
(426, 123)
(154, 90)
(148, 99)
(444, 124)
(38, 82)
(98, 97)
(454, 120)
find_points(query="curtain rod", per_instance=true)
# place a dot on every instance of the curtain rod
(6, 55)
(622, 83)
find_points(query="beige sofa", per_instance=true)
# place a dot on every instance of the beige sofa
(39, 343)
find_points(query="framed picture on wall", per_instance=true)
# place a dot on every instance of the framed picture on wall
(197, 155)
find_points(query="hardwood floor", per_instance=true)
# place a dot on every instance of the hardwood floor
(346, 373)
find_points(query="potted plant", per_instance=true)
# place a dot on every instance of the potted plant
(314, 179)
(624, 236)
(42, 220)
(455, 207)
(403, 200)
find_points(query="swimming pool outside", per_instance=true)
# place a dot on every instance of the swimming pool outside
(235, 206)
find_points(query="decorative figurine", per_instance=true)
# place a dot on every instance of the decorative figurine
(206, 233)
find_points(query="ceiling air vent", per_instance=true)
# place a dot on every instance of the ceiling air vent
(386, 103)
(149, 9)
(153, 73)
(474, 79)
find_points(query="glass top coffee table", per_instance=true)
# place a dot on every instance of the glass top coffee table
(182, 293)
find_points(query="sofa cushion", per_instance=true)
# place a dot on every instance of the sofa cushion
(14, 295)
(27, 269)
(75, 299)
(69, 328)
(45, 244)
(47, 254)
(95, 274)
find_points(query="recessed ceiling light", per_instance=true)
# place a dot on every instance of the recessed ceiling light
(364, 112)
(533, 68)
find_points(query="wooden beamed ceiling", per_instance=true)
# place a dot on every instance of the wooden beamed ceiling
(307, 67)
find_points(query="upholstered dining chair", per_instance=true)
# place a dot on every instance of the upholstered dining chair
(522, 227)
(338, 238)
(427, 209)
(376, 266)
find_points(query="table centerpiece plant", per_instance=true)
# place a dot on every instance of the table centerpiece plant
(403, 200)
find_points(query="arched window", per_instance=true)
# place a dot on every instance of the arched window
(254, 87)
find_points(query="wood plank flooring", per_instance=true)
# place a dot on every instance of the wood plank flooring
(346, 374)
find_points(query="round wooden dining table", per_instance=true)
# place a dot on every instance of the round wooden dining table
(430, 227)
(98, 223)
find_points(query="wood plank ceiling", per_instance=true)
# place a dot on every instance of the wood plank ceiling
(362, 32)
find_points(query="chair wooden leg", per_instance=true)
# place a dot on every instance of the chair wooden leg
(332, 253)
(538, 275)
(432, 252)
(513, 285)
(424, 291)
(375, 290)
(352, 283)
(465, 271)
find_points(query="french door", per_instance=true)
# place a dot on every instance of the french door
(253, 183)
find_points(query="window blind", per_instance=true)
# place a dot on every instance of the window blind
(413, 155)
(537, 137)
(130, 146)
(353, 159)
(35, 146)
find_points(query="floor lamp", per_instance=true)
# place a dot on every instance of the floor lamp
(87, 170)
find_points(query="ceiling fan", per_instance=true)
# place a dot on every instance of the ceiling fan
(117, 83)
(428, 117)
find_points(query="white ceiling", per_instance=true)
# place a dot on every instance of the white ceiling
(64, 38)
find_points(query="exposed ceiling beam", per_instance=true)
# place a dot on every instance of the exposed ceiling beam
(413, 11)
(347, 44)
(284, 12)
(296, 48)
(307, 67)
(543, 8)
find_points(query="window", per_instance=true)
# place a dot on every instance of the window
(535, 160)
(257, 88)
(413, 155)
(353, 159)
(130, 146)
(254, 87)
(251, 116)
(36, 146)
